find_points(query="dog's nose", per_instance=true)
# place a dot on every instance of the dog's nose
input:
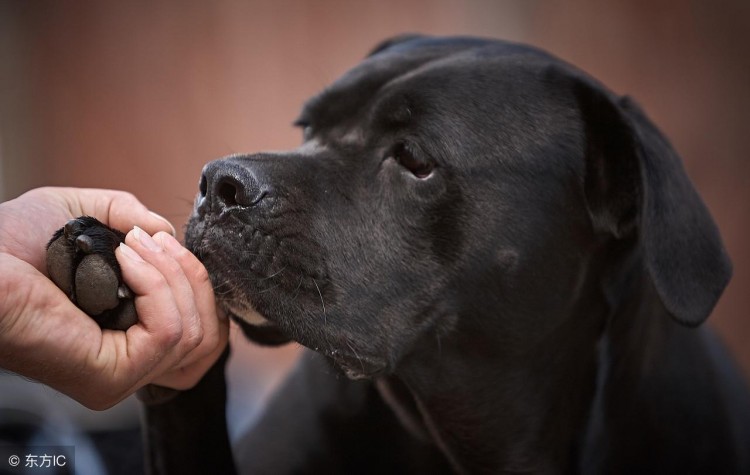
(225, 184)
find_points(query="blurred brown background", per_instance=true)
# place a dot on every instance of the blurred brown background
(138, 95)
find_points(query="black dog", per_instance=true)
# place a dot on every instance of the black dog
(507, 261)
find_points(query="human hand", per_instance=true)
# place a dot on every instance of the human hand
(45, 337)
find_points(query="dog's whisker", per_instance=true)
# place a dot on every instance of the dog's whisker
(254, 254)
(299, 286)
(325, 317)
(267, 290)
(274, 274)
(361, 363)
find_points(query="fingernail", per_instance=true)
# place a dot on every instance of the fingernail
(162, 218)
(147, 241)
(129, 252)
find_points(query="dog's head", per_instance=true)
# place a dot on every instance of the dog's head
(445, 184)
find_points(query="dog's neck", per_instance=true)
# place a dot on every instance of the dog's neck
(489, 419)
(656, 379)
(493, 408)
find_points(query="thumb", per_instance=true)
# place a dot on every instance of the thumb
(125, 211)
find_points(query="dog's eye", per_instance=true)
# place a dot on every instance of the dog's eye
(409, 160)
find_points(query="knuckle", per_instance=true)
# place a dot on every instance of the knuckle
(196, 336)
(172, 267)
(151, 281)
(171, 335)
(158, 283)
(200, 273)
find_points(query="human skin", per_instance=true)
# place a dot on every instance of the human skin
(44, 336)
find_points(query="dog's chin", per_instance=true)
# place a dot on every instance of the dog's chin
(262, 331)
(256, 327)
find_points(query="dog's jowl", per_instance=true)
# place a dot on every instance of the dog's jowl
(497, 264)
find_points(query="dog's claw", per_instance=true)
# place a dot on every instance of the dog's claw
(124, 293)
(85, 243)
(71, 228)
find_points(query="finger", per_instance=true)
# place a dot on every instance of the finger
(179, 286)
(126, 211)
(215, 324)
(190, 370)
(192, 293)
(118, 209)
(159, 328)
(185, 376)
(203, 293)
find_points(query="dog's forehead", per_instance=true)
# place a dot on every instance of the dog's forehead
(356, 89)
(348, 94)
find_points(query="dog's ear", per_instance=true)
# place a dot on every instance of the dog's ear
(635, 183)
(394, 41)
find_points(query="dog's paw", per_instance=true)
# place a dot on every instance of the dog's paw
(81, 261)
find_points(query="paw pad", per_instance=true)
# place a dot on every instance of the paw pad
(81, 261)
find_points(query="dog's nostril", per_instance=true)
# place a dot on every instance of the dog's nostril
(203, 186)
(227, 193)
